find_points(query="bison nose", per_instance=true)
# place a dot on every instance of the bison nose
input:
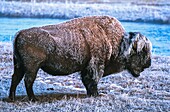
(136, 75)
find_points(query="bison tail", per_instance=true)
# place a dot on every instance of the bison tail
(16, 57)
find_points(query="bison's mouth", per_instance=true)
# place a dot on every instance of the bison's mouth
(135, 73)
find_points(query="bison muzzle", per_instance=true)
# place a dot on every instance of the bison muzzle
(96, 46)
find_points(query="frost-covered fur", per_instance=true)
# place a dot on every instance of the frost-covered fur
(96, 46)
(135, 53)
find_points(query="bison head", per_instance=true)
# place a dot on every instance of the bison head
(136, 52)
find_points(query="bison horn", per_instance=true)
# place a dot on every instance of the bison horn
(137, 43)
(140, 43)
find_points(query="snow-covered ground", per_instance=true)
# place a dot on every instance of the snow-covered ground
(150, 92)
(120, 92)
(159, 12)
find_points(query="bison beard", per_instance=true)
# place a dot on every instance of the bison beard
(97, 46)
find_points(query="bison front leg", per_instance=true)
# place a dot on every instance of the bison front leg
(91, 76)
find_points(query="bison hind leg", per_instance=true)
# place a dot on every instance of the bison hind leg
(30, 75)
(16, 78)
(29, 80)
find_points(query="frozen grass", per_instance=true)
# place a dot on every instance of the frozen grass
(119, 92)
(94, 1)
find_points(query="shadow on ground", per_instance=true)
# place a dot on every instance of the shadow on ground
(47, 97)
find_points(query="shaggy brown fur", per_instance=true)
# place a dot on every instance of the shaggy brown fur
(97, 46)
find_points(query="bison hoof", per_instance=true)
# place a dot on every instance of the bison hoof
(11, 99)
(33, 99)
(92, 92)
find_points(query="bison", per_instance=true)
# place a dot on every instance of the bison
(96, 46)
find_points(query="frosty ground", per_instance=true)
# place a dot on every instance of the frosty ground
(118, 92)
